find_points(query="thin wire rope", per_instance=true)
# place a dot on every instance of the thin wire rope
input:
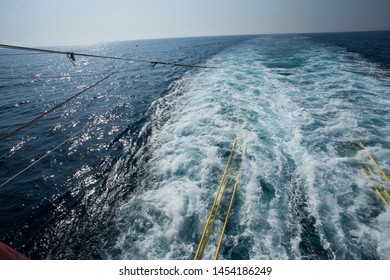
(13, 132)
(20, 54)
(62, 143)
(65, 76)
(51, 77)
(72, 54)
(42, 157)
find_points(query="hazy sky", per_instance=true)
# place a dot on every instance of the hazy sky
(54, 22)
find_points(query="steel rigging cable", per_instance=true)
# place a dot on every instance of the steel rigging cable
(9, 134)
(63, 77)
(71, 56)
(42, 157)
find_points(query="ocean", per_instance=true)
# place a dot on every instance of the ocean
(130, 168)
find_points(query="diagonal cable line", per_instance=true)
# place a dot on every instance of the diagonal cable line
(13, 132)
(42, 157)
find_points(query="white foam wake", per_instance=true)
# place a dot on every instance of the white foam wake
(300, 179)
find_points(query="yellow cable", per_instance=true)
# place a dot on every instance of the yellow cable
(370, 170)
(213, 220)
(381, 196)
(375, 163)
(230, 205)
(385, 191)
(216, 210)
(215, 200)
(208, 233)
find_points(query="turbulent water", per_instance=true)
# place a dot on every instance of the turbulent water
(147, 149)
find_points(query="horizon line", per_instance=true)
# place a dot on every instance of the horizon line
(205, 36)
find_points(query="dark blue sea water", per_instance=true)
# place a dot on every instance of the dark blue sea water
(131, 166)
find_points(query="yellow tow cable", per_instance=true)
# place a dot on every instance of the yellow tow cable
(230, 205)
(371, 173)
(385, 191)
(375, 163)
(381, 196)
(207, 229)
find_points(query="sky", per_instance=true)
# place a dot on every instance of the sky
(66, 22)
